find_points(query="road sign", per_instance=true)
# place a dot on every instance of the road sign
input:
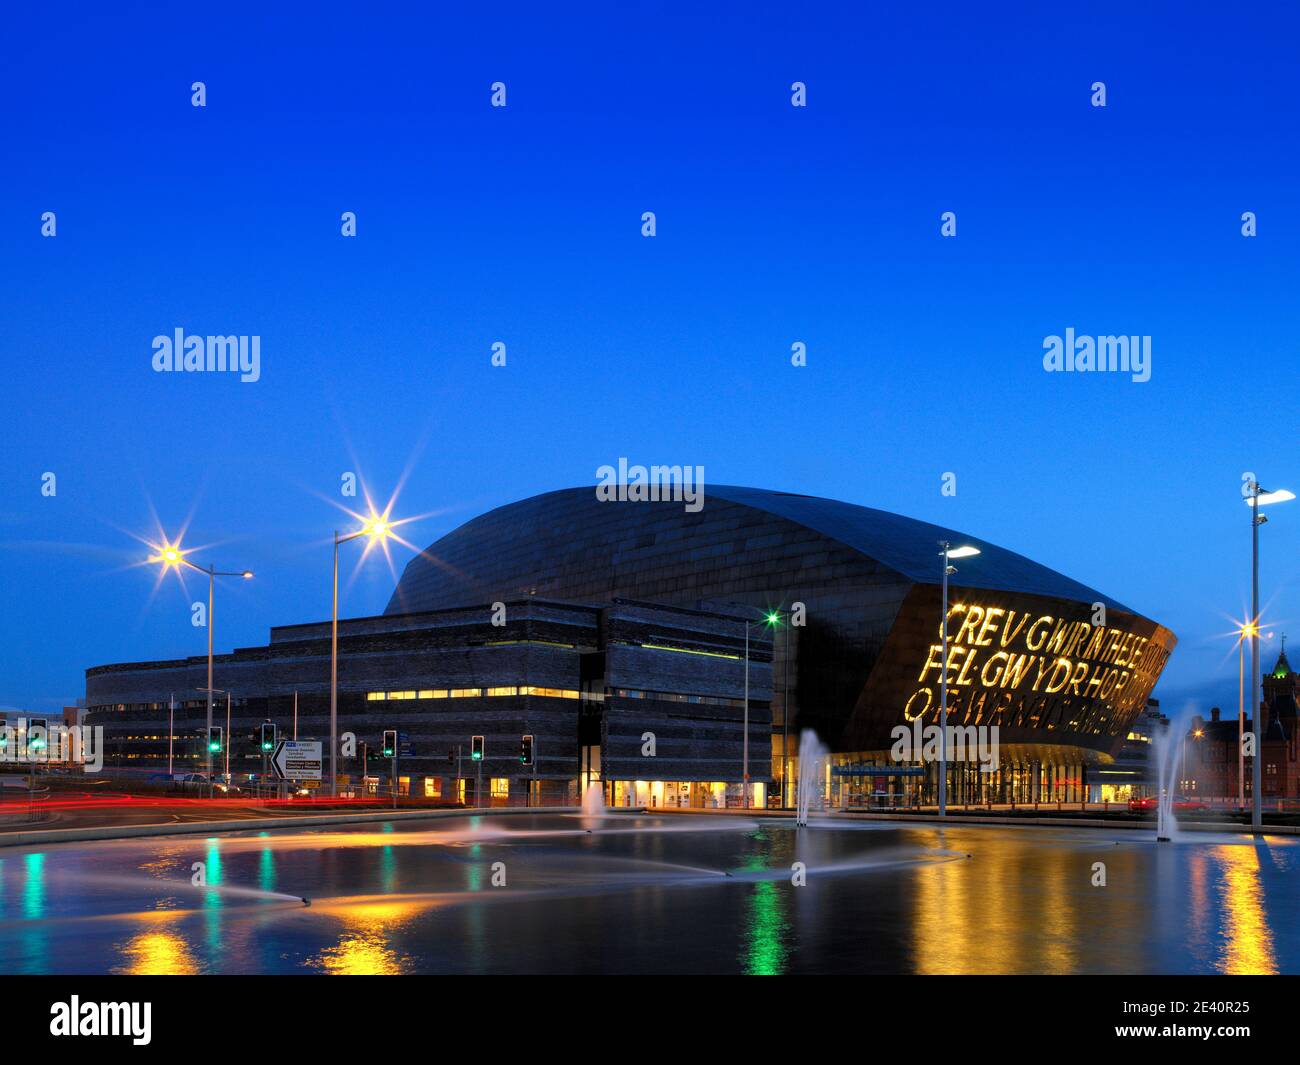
(297, 760)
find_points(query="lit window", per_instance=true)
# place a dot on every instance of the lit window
(401, 695)
(438, 693)
(466, 693)
(426, 693)
(500, 787)
(376, 697)
(508, 690)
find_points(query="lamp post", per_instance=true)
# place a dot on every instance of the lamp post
(772, 617)
(1243, 632)
(173, 556)
(1257, 497)
(1196, 735)
(948, 552)
(376, 528)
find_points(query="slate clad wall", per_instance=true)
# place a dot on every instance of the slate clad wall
(542, 645)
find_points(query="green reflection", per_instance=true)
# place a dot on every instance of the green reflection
(266, 868)
(212, 899)
(34, 888)
(765, 927)
(388, 867)
(35, 942)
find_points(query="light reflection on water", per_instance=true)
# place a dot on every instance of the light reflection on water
(420, 898)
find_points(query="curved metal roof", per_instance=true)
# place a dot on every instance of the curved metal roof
(911, 547)
(905, 545)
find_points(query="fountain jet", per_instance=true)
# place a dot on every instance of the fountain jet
(812, 761)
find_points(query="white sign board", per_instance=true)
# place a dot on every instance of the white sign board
(297, 760)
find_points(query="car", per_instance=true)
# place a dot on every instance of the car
(1181, 802)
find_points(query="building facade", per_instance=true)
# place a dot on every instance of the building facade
(592, 686)
(640, 613)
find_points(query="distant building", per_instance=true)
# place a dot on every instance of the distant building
(1133, 774)
(1212, 746)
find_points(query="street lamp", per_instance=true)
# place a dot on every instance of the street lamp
(948, 552)
(171, 556)
(772, 617)
(1247, 629)
(376, 528)
(1257, 497)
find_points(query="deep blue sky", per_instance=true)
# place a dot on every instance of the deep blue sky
(523, 225)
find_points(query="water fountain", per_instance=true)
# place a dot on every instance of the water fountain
(593, 801)
(812, 769)
(1167, 747)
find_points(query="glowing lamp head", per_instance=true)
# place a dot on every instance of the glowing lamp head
(773, 618)
(964, 551)
(170, 556)
(1269, 498)
(378, 527)
(247, 574)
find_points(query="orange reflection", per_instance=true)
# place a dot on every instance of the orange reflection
(364, 948)
(1247, 940)
(158, 953)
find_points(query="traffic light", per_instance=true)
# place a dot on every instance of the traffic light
(476, 748)
(526, 750)
(451, 755)
(36, 734)
(268, 736)
(390, 742)
(215, 738)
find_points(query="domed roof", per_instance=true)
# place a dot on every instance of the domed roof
(572, 530)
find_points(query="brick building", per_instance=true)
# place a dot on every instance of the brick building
(1212, 746)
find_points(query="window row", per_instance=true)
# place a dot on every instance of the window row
(471, 693)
